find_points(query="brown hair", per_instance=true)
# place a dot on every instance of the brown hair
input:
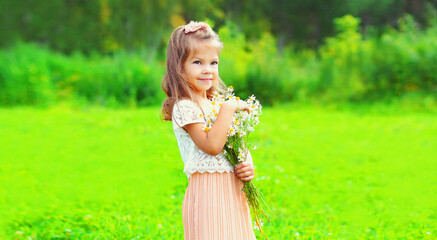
(174, 83)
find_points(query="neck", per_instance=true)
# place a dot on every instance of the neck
(200, 98)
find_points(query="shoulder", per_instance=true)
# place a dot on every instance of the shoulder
(186, 107)
(187, 112)
(185, 102)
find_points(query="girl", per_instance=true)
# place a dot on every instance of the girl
(214, 207)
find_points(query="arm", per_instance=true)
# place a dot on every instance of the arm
(212, 142)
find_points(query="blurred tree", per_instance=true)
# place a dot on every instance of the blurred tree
(108, 25)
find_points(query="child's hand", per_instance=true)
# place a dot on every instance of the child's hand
(245, 171)
(238, 105)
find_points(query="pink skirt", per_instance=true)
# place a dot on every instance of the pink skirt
(215, 208)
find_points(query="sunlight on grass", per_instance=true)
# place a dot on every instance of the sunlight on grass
(328, 174)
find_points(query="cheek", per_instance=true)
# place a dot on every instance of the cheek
(189, 72)
(194, 70)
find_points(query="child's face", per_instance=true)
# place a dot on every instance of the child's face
(201, 68)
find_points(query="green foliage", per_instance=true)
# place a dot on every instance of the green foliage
(406, 60)
(119, 79)
(87, 26)
(398, 63)
(341, 58)
(347, 67)
(37, 76)
(25, 76)
(234, 58)
(93, 173)
(110, 25)
(252, 67)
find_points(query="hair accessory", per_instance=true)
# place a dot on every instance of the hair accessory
(194, 26)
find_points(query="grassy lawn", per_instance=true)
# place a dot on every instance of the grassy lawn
(117, 174)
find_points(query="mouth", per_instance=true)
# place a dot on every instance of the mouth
(205, 79)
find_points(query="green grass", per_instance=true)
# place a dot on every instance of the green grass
(93, 173)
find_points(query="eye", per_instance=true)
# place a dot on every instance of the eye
(214, 63)
(197, 62)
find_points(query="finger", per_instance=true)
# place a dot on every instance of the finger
(246, 179)
(241, 165)
(244, 169)
(245, 173)
(242, 105)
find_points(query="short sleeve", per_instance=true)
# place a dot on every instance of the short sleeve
(187, 112)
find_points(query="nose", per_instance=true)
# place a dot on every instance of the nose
(206, 70)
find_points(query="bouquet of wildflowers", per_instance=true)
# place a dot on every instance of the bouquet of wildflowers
(237, 147)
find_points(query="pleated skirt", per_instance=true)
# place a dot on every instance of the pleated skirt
(215, 208)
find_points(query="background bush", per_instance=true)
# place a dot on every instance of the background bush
(347, 67)
(33, 75)
(110, 25)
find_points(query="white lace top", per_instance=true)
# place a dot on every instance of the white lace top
(195, 160)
